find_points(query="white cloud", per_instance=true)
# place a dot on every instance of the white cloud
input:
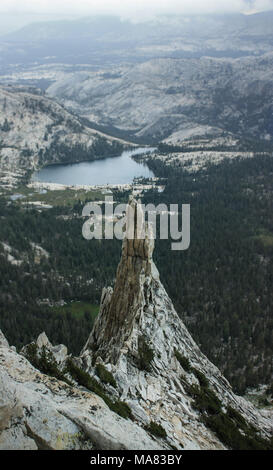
(131, 8)
(17, 13)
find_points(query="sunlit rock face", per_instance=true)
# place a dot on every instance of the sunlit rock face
(41, 412)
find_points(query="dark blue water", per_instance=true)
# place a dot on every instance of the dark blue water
(116, 170)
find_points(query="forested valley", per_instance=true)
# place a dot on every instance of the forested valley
(221, 286)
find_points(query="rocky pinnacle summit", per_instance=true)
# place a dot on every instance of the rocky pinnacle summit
(137, 323)
(124, 306)
(141, 381)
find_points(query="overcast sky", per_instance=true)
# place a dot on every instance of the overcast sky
(15, 13)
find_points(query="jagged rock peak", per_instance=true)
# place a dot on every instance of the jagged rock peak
(156, 364)
(121, 307)
(138, 241)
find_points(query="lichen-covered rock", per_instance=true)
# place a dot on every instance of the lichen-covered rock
(40, 412)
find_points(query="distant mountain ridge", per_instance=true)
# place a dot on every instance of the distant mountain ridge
(167, 78)
(160, 97)
(108, 39)
(258, 23)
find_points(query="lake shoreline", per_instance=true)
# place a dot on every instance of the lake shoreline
(104, 187)
(111, 171)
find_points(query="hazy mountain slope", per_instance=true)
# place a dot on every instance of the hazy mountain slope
(164, 96)
(101, 40)
(168, 78)
(35, 130)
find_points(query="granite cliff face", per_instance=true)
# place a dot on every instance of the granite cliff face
(141, 353)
